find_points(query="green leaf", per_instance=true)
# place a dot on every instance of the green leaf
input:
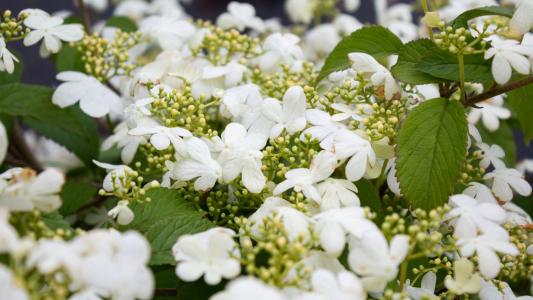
(431, 151)
(377, 41)
(502, 137)
(443, 64)
(69, 59)
(521, 101)
(410, 55)
(123, 23)
(462, 19)
(369, 197)
(164, 219)
(74, 195)
(55, 221)
(68, 127)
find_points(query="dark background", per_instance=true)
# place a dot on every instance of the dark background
(42, 71)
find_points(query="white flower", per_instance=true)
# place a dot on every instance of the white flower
(505, 179)
(6, 58)
(300, 10)
(485, 246)
(491, 154)
(336, 193)
(231, 73)
(490, 112)
(465, 281)
(122, 213)
(473, 216)
(324, 128)
(238, 101)
(524, 166)
(248, 288)
(508, 55)
(162, 137)
(333, 226)
(198, 165)
(378, 74)
(351, 5)
(98, 5)
(22, 190)
(329, 286)
(169, 31)
(113, 171)
(392, 181)
(240, 16)
(279, 49)
(128, 143)
(480, 192)
(426, 289)
(9, 289)
(295, 222)
(289, 115)
(321, 40)
(397, 18)
(522, 19)
(9, 240)
(3, 142)
(208, 253)
(304, 180)
(348, 144)
(516, 215)
(348, 112)
(52, 31)
(372, 258)
(96, 99)
(241, 154)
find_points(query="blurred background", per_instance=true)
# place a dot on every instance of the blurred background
(42, 71)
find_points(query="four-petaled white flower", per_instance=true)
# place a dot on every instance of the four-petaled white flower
(465, 281)
(426, 289)
(492, 154)
(348, 144)
(326, 285)
(372, 258)
(122, 213)
(508, 55)
(241, 154)
(305, 180)
(6, 58)
(324, 128)
(336, 193)
(211, 253)
(198, 165)
(378, 74)
(485, 246)
(333, 226)
(96, 99)
(280, 49)
(240, 16)
(52, 31)
(162, 137)
(490, 112)
(23, 190)
(504, 181)
(289, 115)
(113, 178)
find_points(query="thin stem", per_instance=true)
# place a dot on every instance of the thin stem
(425, 6)
(381, 177)
(403, 273)
(22, 148)
(499, 90)
(84, 15)
(461, 61)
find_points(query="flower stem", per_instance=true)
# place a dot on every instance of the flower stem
(461, 61)
(84, 15)
(403, 273)
(499, 90)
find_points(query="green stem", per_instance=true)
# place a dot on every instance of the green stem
(381, 177)
(403, 273)
(461, 61)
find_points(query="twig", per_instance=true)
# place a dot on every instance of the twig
(499, 90)
(22, 150)
(84, 15)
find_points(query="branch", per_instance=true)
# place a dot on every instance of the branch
(84, 15)
(499, 90)
(21, 149)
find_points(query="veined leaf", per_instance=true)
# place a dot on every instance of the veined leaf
(462, 19)
(521, 101)
(410, 55)
(377, 41)
(164, 219)
(443, 64)
(431, 151)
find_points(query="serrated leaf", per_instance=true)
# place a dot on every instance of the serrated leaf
(376, 40)
(431, 152)
(164, 219)
(443, 64)
(74, 195)
(55, 221)
(68, 127)
(520, 100)
(123, 23)
(410, 55)
(502, 137)
(462, 19)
